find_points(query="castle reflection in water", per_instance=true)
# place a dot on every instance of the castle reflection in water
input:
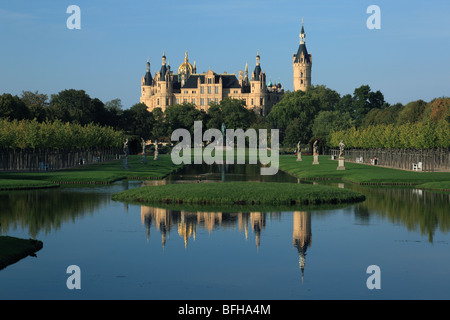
(186, 222)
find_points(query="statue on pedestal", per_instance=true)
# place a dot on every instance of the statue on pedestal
(341, 149)
(316, 152)
(143, 145)
(341, 165)
(156, 156)
(299, 152)
(126, 151)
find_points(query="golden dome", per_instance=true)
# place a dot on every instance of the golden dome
(185, 67)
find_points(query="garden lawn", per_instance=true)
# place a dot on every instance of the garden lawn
(358, 173)
(241, 193)
(101, 173)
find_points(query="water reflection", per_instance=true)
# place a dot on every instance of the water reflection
(186, 224)
(47, 210)
(417, 210)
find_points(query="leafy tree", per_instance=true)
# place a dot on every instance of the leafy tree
(365, 100)
(412, 112)
(183, 116)
(11, 107)
(113, 112)
(328, 121)
(160, 125)
(37, 103)
(138, 121)
(76, 105)
(301, 107)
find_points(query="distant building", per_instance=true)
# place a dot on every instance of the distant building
(167, 88)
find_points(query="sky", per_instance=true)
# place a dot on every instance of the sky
(407, 59)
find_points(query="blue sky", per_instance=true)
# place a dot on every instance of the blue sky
(407, 59)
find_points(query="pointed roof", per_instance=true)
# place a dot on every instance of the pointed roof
(148, 76)
(302, 49)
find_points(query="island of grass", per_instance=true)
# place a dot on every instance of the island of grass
(101, 173)
(239, 193)
(14, 249)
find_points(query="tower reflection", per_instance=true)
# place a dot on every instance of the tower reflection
(301, 236)
(186, 224)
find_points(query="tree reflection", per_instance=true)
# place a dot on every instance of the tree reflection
(45, 211)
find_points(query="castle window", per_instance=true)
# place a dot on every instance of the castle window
(177, 101)
(193, 101)
(202, 101)
(209, 81)
(216, 89)
(202, 89)
(157, 102)
(301, 59)
(252, 101)
(261, 101)
(209, 88)
(302, 75)
(209, 101)
(301, 81)
(216, 101)
(167, 101)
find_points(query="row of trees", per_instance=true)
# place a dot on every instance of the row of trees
(31, 134)
(418, 135)
(318, 113)
(417, 125)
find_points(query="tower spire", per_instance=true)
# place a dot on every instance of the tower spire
(302, 34)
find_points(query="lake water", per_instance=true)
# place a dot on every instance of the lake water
(137, 252)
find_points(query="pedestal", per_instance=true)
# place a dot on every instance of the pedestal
(316, 159)
(125, 164)
(341, 164)
(299, 157)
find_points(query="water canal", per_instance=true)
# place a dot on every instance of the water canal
(138, 252)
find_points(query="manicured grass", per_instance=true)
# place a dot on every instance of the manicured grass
(101, 173)
(243, 193)
(14, 249)
(11, 184)
(357, 173)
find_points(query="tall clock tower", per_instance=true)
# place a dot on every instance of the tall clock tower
(302, 63)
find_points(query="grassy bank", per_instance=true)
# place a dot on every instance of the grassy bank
(11, 184)
(242, 193)
(441, 185)
(14, 249)
(102, 173)
(358, 173)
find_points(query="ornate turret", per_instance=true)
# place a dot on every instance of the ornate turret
(257, 71)
(163, 70)
(148, 76)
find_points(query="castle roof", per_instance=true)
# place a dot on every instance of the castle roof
(302, 49)
(228, 80)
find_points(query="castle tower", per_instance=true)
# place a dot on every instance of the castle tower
(146, 86)
(301, 63)
(258, 88)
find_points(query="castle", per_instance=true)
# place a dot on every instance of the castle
(167, 88)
